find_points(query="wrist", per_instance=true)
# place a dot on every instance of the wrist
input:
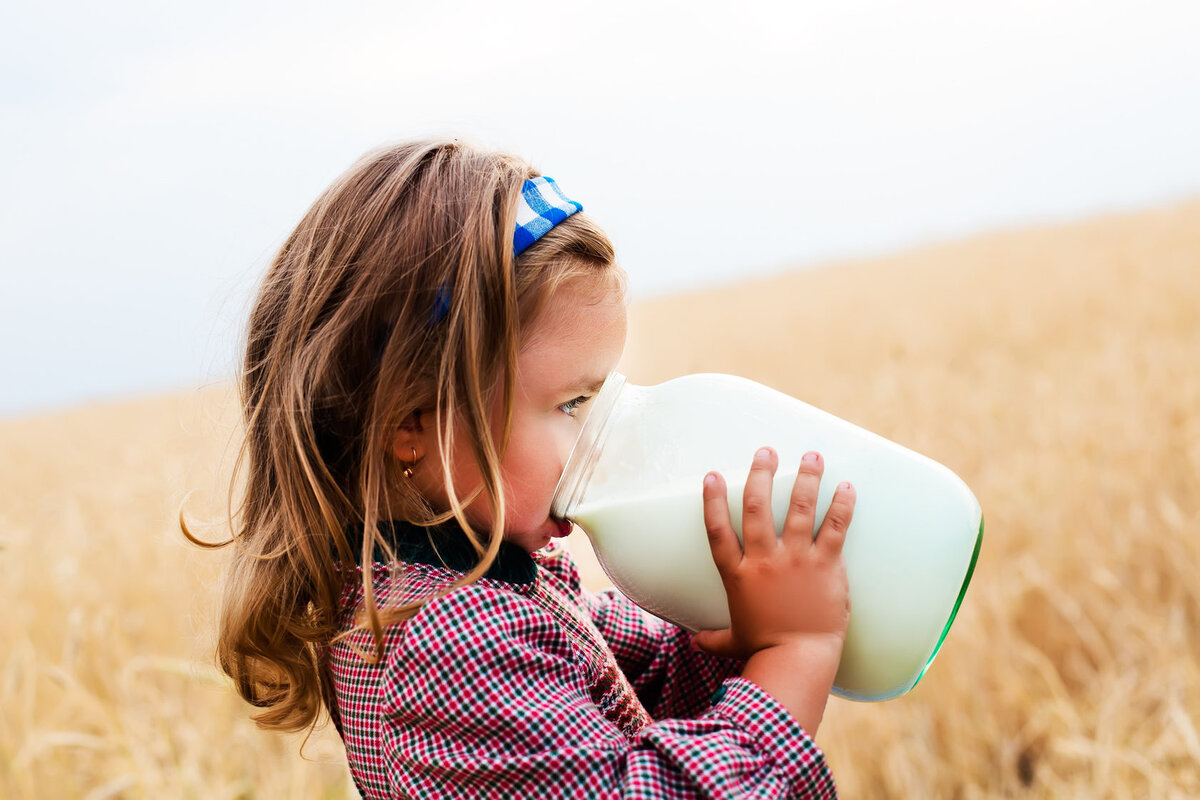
(816, 654)
(798, 673)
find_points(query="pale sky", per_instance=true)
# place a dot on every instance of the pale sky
(154, 155)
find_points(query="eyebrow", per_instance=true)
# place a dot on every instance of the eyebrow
(589, 385)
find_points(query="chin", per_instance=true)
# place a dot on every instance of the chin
(530, 541)
(532, 544)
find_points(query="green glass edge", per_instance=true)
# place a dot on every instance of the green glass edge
(961, 594)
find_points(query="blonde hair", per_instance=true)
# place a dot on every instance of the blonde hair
(341, 347)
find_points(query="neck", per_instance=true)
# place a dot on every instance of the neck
(445, 545)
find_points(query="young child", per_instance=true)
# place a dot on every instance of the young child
(419, 360)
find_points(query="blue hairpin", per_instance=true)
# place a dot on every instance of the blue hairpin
(541, 206)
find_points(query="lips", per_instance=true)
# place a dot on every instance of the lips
(564, 528)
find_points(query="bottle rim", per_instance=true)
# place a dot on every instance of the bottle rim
(582, 460)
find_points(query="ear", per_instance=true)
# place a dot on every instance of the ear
(408, 442)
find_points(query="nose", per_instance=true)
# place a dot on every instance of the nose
(564, 445)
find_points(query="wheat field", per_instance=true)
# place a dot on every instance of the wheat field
(1055, 369)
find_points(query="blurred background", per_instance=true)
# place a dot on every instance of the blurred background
(974, 230)
(155, 155)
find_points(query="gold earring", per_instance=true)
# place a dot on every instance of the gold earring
(408, 469)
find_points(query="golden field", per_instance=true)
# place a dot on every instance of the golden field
(1056, 369)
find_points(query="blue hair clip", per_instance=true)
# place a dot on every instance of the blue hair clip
(541, 206)
(440, 305)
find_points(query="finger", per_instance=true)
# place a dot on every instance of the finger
(722, 539)
(801, 517)
(758, 523)
(832, 535)
(718, 643)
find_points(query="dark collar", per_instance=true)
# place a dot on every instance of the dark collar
(445, 545)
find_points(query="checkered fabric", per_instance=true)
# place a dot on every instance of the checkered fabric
(542, 205)
(532, 687)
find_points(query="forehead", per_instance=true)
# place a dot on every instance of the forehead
(580, 333)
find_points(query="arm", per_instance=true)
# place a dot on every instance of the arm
(484, 696)
(671, 678)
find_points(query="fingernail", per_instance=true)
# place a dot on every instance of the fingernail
(710, 479)
(763, 455)
(811, 455)
(845, 486)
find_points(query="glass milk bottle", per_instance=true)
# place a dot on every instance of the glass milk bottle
(633, 483)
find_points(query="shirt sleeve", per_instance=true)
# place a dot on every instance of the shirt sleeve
(484, 696)
(670, 678)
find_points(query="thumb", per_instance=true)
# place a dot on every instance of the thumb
(719, 643)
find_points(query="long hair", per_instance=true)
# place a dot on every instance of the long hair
(342, 345)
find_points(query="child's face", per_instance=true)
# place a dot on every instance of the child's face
(564, 358)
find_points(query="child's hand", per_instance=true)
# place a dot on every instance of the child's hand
(783, 590)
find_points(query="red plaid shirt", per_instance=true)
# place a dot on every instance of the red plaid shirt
(525, 685)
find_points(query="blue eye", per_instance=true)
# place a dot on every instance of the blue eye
(572, 406)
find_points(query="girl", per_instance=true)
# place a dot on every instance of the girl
(419, 360)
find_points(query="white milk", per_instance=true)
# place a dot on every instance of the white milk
(903, 591)
(634, 485)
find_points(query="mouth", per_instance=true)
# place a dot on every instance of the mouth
(564, 528)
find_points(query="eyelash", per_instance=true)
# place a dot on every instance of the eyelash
(571, 406)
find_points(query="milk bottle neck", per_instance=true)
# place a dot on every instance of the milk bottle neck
(580, 464)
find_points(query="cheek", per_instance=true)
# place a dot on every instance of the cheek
(463, 473)
(565, 440)
(533, 465)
